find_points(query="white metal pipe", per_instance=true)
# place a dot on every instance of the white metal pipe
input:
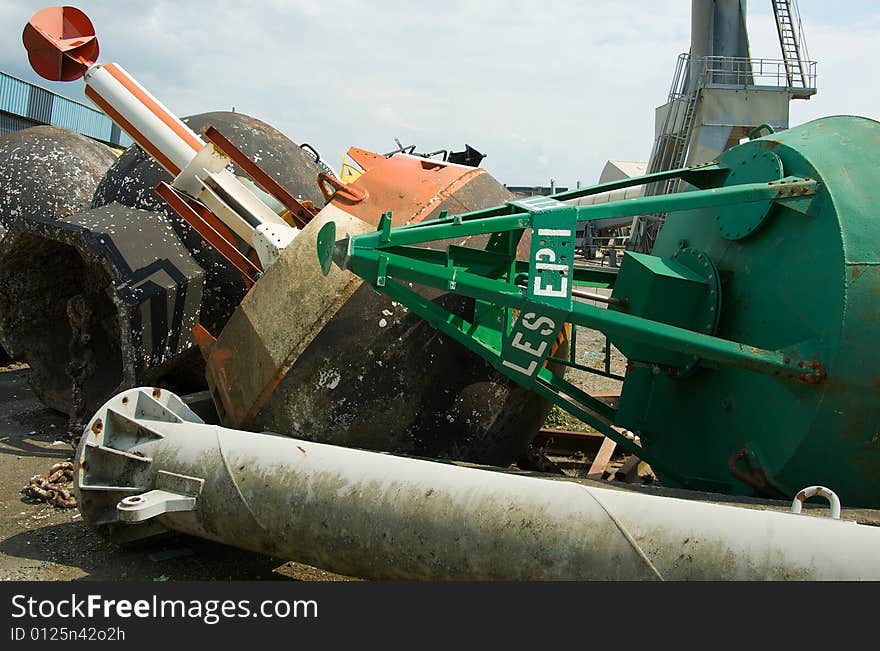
(146, 458)
(199, 171)
(143, 117)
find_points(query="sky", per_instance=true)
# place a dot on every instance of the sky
(547, 89)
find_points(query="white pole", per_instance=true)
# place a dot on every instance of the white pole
(147, 464)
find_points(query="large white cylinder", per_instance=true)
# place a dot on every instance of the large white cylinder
(147, 464)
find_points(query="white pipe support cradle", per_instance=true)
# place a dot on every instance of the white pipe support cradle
(380, 516)
(270, 240)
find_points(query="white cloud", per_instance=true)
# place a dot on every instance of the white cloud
(547, 89)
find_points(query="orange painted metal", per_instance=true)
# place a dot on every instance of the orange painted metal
(128, 127)
(215, 369)
(332, 187)
(300, 213)
(61, 43)
(366, 159)
(204, 339)
(211, 229)
(171, 121)
(409, 186)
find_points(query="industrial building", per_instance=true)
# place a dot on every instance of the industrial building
(24, 105)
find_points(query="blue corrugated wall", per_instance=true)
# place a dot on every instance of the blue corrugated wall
(24, 105)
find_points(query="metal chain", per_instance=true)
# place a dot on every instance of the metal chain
(55, 489)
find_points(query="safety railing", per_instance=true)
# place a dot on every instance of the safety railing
(735, 71)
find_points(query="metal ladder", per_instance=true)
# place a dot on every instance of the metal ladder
(671, 145)
(670, 148)
(788, 41)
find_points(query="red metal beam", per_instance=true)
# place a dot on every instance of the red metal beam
(211, 229)
(301, 215)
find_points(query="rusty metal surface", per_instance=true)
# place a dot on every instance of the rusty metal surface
(332, 361)
(274, 323)
(48, 171)
(401, 387)
(98, 301)
(211, 229)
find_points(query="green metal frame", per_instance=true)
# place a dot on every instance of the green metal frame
(521, 306)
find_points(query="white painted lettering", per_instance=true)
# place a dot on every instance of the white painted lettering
(532, 321)
(548, 255)
(551, 232)
(547, 290)
(525, 346)
(525, 371)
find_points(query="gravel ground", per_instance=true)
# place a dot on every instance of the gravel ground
(42, 542)
(39, 542)
(590, 352)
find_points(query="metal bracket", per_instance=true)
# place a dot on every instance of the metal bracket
(270, 240)
(797, 504)
(182, 495)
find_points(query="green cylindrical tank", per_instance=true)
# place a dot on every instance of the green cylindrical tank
(806, 279)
